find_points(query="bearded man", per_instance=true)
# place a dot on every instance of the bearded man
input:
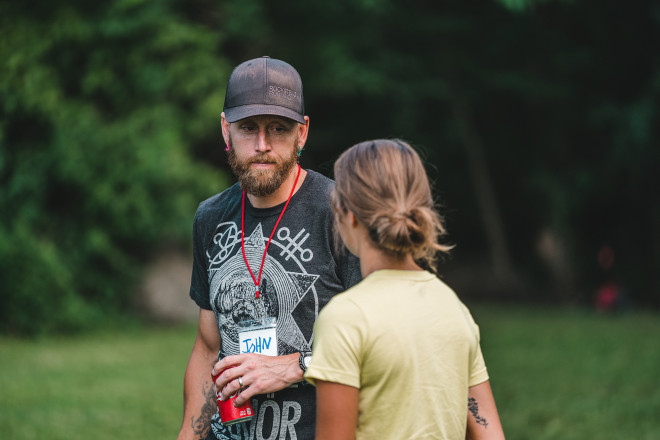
(264, 260)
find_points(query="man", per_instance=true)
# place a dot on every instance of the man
(263, 253)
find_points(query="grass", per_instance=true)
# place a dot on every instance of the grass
(121, 385)
(573, 374)
(556, 374)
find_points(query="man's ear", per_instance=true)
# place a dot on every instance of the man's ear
(225, 127)
(303, 131)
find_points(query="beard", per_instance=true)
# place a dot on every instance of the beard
(261, 183)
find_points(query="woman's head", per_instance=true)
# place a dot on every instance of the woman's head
(384, 184)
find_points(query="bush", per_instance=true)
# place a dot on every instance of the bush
(100, 108)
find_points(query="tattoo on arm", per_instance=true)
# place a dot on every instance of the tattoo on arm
(202, 424)
(473, 407)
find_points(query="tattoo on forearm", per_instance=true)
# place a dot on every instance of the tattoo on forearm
(473, 407)
(202, 424)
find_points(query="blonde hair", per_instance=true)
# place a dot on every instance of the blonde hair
(384, 183)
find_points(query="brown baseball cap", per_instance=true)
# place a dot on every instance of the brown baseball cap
(264, 86)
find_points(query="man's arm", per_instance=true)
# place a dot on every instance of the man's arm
(336, 411)
(199, 403)
(483, 422)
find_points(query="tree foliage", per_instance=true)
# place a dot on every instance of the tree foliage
(562, 96)
(101, 103)
(109, 131)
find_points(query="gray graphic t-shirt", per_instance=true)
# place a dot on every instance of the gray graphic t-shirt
(301, 272)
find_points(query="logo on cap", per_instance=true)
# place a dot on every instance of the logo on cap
(281, 92)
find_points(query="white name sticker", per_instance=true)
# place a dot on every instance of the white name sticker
(260, 339)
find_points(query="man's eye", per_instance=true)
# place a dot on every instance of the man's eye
(278, 130)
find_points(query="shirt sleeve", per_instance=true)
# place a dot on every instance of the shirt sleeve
(478, 371)
(339, 334)
(199, 282)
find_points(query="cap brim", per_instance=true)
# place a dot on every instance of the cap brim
(245, 111)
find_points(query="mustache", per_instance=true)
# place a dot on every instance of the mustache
(263, 158)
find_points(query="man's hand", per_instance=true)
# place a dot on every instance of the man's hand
(259, 374)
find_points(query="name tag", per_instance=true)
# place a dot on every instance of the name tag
(258, 337)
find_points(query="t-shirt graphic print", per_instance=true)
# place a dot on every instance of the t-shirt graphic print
(301, 272)
(233, 290)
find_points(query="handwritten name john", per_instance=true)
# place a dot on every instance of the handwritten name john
(257, 345)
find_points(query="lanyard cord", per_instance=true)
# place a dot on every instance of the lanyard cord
(263, 260)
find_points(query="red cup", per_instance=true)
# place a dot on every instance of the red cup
(230, 414)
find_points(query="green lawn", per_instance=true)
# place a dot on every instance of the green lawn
(573, 374)
(120, 385)
(556, 374)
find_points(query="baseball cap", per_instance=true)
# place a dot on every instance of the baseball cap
(264, 86)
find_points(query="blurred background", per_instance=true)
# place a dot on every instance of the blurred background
(538, 121)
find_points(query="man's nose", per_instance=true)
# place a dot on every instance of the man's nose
(262, 141)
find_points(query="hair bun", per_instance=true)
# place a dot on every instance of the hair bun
(401, 232)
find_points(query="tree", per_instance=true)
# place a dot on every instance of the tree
(102, 106)
(560, 96)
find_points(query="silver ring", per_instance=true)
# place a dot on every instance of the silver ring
(240, 381)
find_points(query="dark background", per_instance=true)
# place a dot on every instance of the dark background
(538, 122)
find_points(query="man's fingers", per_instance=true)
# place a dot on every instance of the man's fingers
(244, 393)
(243, 396)
(225, 375)
(225, 363)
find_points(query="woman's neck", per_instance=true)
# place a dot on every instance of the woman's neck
(373, 259)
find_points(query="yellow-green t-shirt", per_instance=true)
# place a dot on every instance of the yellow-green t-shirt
(411, 347)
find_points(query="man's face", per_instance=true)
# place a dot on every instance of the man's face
(263, 150)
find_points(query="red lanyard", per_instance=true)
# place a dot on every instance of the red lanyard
(263, 260)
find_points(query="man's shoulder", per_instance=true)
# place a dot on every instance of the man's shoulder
(317, 183)
(219, 201)
(320, 179)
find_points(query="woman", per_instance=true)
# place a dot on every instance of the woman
(397, 356)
